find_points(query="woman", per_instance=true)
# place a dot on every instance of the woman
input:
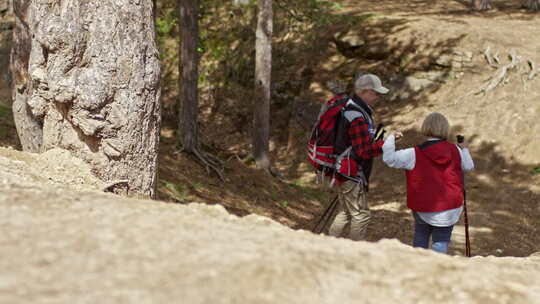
(434, 181)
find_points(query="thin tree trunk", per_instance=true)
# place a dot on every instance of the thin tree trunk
(263, 68)
(482, 5)
(189, 69)
(6, 37)
(28, 117)
(154, 10)
(94, 68)
(533, 5)
(188, 131)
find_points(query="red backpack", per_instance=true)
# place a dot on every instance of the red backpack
(321, 152)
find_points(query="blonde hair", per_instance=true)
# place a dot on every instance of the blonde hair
(436, 125)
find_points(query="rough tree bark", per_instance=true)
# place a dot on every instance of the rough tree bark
(263, 68)
(94, 72)
(482, 5)
(531, 4)
(28, 119)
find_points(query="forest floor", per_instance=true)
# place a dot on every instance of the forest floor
(503, 193)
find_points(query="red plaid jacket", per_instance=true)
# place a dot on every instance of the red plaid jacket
(361, 140)
(361, 143)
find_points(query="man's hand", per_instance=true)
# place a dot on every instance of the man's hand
(463, 145)
(398, 135)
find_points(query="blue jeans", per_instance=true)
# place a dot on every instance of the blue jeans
(440, 235)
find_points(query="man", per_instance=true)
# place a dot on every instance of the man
(356, 146)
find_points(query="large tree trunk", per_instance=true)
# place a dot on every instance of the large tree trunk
(531, 4)
(95, 72)
(189, 69)
(263, 68)
(28, 117)
(482, 5)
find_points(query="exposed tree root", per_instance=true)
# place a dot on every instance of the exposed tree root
(492, 60)
(501, 75)
(111, 185)
(484, 5)
(275, 173)
(235, 156)
(531, 5)
(207, 160)
(534, 71)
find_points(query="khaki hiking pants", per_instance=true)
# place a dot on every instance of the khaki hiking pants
(353, 216)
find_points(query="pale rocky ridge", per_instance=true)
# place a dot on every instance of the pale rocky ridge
(64, 241)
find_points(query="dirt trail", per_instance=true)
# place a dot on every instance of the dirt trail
(503, 194)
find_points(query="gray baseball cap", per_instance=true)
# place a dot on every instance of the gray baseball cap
(370, 82)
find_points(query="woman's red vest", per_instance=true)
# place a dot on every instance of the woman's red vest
(436, 182)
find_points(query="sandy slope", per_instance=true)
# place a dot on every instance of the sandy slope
(60, 245)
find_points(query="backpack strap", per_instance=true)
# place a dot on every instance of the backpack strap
(429, 143)
(353, 111)
(351, 115)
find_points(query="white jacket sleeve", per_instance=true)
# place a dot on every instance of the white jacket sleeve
(402, 159)
(467, 163)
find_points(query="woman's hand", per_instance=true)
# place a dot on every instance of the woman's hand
(461, 142)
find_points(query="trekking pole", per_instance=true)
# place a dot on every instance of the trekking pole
(460, 140)
(326, 216)
(379, 127)
(467, 241)
(378, 134)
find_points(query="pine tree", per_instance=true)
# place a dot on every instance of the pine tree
(189, 71)
(482, 5)
(90, 83)
(531, 4)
